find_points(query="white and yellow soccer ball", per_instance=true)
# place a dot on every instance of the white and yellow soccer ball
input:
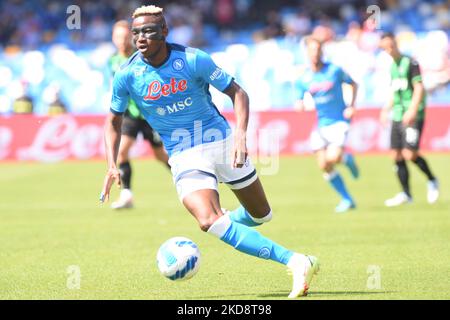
(178, 259)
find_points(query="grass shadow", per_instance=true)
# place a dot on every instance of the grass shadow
(326, 293)
(284, 294)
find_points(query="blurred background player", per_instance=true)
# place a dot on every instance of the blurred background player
(133, 122)
(408, 105)
(23, 104)
(324, 82)
(179, 77)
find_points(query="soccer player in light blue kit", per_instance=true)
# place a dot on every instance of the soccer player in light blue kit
(324, 82)
(170, 85)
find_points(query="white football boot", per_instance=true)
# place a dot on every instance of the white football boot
(125, 200)
(398, 200)
(432, 191)
(303, 268)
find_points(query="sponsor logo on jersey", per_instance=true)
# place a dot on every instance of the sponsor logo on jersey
(174, 107)
(399, 84)
(216, 74)
(157, 89)
(321, 86)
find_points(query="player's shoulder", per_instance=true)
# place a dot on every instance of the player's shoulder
(332, 67)
(412, 61)
(193, 56)
(189, 51)
(302, 71)
(179, 49)
(125, 70)
(132, 60)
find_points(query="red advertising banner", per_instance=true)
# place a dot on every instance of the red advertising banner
(51, 139)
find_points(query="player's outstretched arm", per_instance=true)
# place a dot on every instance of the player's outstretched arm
(418, 92)
(241, 109)
(113, 130)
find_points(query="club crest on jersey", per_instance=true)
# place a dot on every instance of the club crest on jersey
(157, 89)
(178, 64)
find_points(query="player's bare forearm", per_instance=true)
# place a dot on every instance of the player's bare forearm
(113, 130)
(410, 116)
(354, 86)
(349, 112)
(418, 93)
(241, 107)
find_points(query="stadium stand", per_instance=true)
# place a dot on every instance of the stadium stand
(258, 42)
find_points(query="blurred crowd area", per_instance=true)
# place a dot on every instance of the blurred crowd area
(44, 63)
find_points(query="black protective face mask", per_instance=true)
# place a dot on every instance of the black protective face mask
(150, 31)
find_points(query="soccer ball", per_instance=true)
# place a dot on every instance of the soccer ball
(178, 259)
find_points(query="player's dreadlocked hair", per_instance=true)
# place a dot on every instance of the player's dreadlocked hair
(147, 11)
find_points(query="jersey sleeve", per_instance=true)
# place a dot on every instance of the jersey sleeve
(345, 77)
(208, 71)
(120, 94)
(415, 75)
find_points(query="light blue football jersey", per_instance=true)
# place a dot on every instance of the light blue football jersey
(174, 98)
(325, 86)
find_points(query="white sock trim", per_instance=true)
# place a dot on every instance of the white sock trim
(220, 226)
(126, 193)
(264, 219)
(330, 176)
(295, 260)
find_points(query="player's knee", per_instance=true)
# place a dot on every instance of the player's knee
(267, 217)
(333, 159)
(409, 155)
(327, 166)
(397, 155)
(160, 154)
(122, 156)
(323, 165)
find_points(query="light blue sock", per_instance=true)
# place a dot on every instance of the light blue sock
(347, 158)
(248, 240)
(241, 215)
(350, 163)
(338, 184)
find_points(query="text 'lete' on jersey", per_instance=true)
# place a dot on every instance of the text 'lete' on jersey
(174, 97)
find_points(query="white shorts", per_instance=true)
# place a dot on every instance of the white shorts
(206, 165)
(335, 135)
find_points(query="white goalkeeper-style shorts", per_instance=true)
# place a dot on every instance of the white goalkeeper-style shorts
(205, 166)
(332, 135)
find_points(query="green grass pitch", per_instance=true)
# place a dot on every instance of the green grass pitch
(50, 219)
